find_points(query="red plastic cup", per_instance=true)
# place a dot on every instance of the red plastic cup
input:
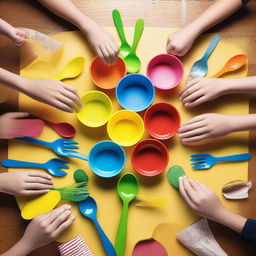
(150, 157)
(165, 71)
(162, 121)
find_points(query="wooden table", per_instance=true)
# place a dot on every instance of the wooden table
(162, 13)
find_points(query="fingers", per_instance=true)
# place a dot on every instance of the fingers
(52, 215)
(62, 106)
(40, 180)
(35, 192)
(190, 189)
(188, 88)
(195, 138)
(37, 186)
(191, 127)
(193, 133)
(16, 115)
(64, 226)
(196, 102)
(184, 193)
(62, 217)
(39, 174)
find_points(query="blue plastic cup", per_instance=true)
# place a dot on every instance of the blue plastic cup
(135, 92)
(106, 159)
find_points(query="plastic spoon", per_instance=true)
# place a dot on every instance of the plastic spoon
(132, 61)
(65, 130)
(233, 64)
(125, 48)
(127, 189)
(88, 208)
(73, 69)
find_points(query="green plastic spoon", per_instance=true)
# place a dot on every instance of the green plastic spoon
(132, 61)
(73, 69)
(127, 189)
(125, 48)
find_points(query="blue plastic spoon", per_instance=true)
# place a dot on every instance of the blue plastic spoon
(200, 67)
(88, 208)
(52, 166)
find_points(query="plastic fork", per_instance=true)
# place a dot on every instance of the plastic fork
(206, 161)
(60, 146)
(52, 166)
(200, 67)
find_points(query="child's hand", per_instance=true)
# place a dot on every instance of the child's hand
(207, 126)
(25, 183)
(201, 90)
(202, 200)
(18, 36)
(52, 92)
(179, 43)
(102, 43)
(8, 124)
(45, 228)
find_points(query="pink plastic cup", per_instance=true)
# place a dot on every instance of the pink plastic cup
(165, 71)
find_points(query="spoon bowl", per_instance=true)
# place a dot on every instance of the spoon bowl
(125, 48)
(233, 64)
(73, 69)
(65, 130)
(132, 61)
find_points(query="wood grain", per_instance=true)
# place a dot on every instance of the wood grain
(162, 13)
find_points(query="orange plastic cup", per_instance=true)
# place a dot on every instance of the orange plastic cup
(107, 77)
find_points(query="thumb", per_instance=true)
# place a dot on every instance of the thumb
(17, 115)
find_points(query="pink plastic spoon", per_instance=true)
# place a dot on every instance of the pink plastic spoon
(149, 247)
(65, 130)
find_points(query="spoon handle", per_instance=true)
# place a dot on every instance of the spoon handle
(211, 47)
(108, 247)
(119, 25)
(121, 233)
(139, 27)
(19, 164)
(219, 74)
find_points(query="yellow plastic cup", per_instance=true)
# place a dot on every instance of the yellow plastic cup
(96, 109)
(125, 128)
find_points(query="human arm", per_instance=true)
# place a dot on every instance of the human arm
(18, 36)
(179, 43)
(42, 230)
(204, 202)
(52, 92)
(101, 42)
(213, 125)
(200, 90)
(25, 183)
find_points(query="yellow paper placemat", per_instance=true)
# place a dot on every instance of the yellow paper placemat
(142, 221)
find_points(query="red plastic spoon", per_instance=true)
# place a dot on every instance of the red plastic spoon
(65, 130)
(149, 247)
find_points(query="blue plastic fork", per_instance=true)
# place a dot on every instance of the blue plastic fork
(52, 166)
(200, 67)
(206, 161)
(60, 147)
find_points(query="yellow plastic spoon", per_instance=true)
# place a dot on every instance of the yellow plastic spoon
(233, 64)
(73, 69)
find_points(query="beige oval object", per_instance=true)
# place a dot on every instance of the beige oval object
(236, 189)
